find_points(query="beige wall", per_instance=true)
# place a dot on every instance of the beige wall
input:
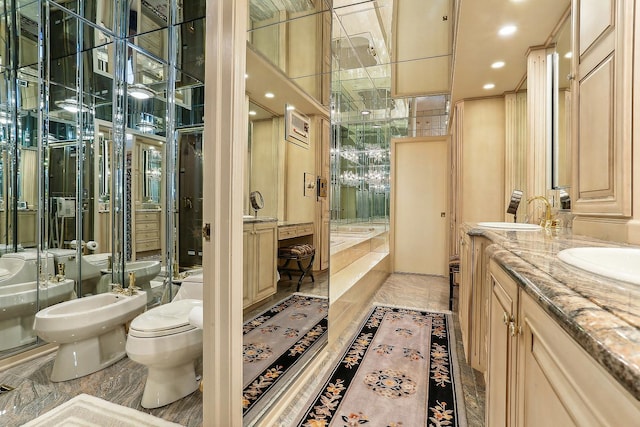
(481, 149)
(298, 160)
(264, 165)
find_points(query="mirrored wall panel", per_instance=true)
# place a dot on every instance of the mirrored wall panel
(98, 100)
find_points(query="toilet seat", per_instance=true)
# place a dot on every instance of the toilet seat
(167, 319)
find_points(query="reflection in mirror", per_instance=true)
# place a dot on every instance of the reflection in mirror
(69, 157)
(286, 243)
(561, 58)
(190, 191)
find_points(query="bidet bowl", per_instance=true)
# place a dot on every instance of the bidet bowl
(21, 267)
(78, 319)
(90, 332)
(614, 263)
(20, 299)
(18, 305)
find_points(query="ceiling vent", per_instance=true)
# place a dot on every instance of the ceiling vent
(377, 99)
(356, 52)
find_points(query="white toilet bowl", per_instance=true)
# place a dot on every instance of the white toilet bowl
(164, 340)
(18, 304)
(90, 332)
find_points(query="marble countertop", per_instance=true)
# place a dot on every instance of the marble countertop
(291, 223)
(250, 219)
(601, 314)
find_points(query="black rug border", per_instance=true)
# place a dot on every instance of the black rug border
(456, 375)
(258, 406)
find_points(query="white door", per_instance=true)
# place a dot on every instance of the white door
(418, 213)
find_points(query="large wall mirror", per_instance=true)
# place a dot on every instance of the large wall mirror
(287, 70)
(98, 98)
(560, 66)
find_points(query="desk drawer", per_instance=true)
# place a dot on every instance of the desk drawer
(286, 233)
(304, 230)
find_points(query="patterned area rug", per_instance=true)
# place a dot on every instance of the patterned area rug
(400, 370)
(276, 341)
(90, 411)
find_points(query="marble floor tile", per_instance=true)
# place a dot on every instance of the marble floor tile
(123, 382)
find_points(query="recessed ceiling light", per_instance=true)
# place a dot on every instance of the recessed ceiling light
(497, 64)
(365, 112)
(489, 86)
(69, 105)
(246, 75)
(140, 92)
(252, 113)
(290, 108)
(568, 55)
(269, 95)
(507, 30)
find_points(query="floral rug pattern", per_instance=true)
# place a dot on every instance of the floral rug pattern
(397, 372)
(276, 340)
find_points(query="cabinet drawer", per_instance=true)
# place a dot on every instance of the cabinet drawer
(147, 246)
(147, 235)
(146, 226)
(148, 216)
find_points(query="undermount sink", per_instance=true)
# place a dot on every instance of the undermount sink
(519, 226)
(615, 263)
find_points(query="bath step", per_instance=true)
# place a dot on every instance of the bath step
(343, 280)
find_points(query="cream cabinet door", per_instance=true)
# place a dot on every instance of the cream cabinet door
(265, 243)
(559, 383)
(603, 31)
(479, 304)
(247, 263)
(464, 294)
(501, 366)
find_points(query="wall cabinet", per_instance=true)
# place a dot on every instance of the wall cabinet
(260, 257)
(603, 33)
(538, 375)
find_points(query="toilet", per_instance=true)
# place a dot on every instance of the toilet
(90, 331)
(166, 342)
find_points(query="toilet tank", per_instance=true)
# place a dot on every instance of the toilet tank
(191, 288)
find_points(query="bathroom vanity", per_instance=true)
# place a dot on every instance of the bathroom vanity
(561, 344)
(259, 260)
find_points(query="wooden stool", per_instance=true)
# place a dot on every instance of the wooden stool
(454, 267)
(297, 253)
